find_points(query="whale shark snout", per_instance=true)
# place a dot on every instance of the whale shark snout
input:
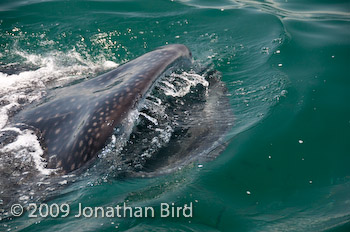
(76, 121)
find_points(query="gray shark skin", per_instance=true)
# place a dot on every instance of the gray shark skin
(76, 121)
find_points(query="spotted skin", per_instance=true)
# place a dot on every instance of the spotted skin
(77, 120)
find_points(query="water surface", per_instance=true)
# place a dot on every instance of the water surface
(286, 68)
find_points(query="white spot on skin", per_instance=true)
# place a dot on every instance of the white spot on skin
(59, 164)
(58, 131)
(39, 119)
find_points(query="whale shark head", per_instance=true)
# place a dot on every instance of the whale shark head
(75, 122)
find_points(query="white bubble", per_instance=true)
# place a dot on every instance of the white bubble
(27, 143)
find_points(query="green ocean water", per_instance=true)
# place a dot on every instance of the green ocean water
(286, 65)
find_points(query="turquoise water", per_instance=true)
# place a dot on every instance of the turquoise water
(286, 67)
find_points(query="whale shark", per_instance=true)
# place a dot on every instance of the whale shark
(74, 122)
